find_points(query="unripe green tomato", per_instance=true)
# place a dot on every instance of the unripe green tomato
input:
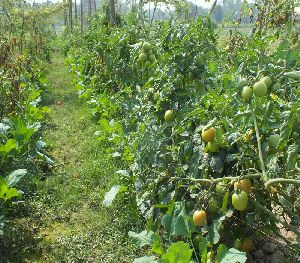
(213, 147)
(147, 64)
(189, 205)
(247, 93)
(260, 89)
(274, 140)
(152, 58)
(268, 81)
(143, 57)
(146, 46)
(240, 201)
(243, 82)
(237, 243)
(169, 116)
(214, 205)
(220, 188)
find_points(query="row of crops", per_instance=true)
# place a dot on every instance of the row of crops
(209, 131)
(24, 35)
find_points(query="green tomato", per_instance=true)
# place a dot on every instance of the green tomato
(146, 46)
(260, 89)
(147, 64)
(220, 188)
(189, 205)
(152, 58)
(169, 116)
(214, 205)
(213, 147)
(237, 243)
(268, 81)
(143, 57)
(240, 201)
(243, 82)
(247, 93)
(274, 140)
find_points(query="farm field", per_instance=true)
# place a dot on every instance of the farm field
(125, 138)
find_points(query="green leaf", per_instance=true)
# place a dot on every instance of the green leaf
(181, 224)
(292, 156)
(216, 163)
(287, 126)
(231, 256)
(146, 259)
(179, 252)
(213, 234)
(143, 238)
(15, 177)
(111, 195)
(10, 145)
(157, 247)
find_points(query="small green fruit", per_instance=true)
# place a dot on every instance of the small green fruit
(240, 200)
(213, 147)
(260, 89)
(169, 116)
(143, 57)
(268, 81)
(237, 243)
(146, 46)
(243, 82)
(152, 58)
(274, 140)
(147, 64)
(214, 206)
(247, 93)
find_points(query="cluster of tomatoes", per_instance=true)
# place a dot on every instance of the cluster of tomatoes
(146, 57)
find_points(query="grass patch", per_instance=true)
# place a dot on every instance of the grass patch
(63, 220)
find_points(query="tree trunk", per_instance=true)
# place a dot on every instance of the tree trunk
(76, 15)
(141, 12)
(81, 15)
(112, 12)
(95, 6)
(90, 8)
(71, 14)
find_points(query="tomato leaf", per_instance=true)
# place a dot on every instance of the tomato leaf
(178, 252)
(111, 195)
(142, 239)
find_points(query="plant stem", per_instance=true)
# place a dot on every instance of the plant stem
(216, 180)
(271, 214)
(281, 180)
(260, 154)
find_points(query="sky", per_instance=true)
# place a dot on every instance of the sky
(199, 2)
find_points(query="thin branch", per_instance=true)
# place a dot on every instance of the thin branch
(260, 154)
(274, 217)
(216, 180)
(269, 182)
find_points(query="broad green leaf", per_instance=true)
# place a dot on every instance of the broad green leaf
(15, 177)
(10, 145)
(179, 252)
(232, 256)
(111, 195)
(143, 238)
(213, 234)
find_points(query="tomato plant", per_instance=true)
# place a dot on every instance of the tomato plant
(215, 153)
